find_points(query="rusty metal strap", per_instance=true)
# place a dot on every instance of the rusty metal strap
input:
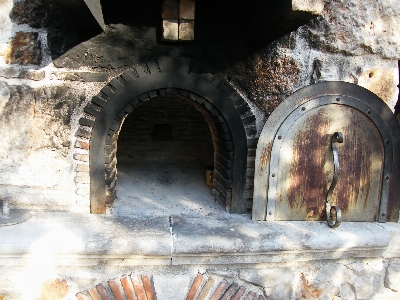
(334, 221)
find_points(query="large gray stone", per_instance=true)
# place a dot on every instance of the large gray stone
(392, 279)
(66, 237)
(347, 291)
(4, 95)
(364, 286)
(394, 247)
(277, 282)
(169, 287)
(273, 241)
(357, 28)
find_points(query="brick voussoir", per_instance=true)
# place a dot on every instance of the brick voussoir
(82, 145)
(80, 179)
(252, 142)
(251, 130)
(116, 83)
(222, 180)
(249, 182)
(195, 287)
(82, 174)
(243, 109)
(81, 157)
(110, 174)
(108, 91)
(249, 120)
(128, 288)
(128, 108)
(98, 101)
(250, 171)
(110, 187)
(227, 163)
(82, 168)
(83, 133)
(83, 191)
(116, 289)
(153, 66)
(86, 122)
(130, 75)
(92, 109)
(94, 294)
(112, 164)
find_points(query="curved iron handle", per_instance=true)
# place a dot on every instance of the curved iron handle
(334, 222)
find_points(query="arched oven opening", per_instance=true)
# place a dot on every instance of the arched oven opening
(165, 157)
(169, 81)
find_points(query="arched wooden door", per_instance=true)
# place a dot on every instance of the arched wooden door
(294, 161)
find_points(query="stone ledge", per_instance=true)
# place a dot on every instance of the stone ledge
(80, 76)
(252, 258)
(83, 260)
(62, 234)
(83, 239)
(13, 72)
(239, 240)
(393, 250)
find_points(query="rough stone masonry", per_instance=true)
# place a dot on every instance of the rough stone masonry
(50, 68)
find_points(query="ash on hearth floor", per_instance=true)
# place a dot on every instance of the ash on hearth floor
(164, 189)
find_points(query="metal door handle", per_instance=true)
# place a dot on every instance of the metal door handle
(333, 213)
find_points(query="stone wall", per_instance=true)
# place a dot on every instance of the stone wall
(49, 71)
(44, 86)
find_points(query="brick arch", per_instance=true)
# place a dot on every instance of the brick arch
(104, 115)
(203, 286)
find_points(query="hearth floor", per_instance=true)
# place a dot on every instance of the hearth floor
(164, 189)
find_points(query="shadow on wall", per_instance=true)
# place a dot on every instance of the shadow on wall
(68, 23)
(132, 36)
(249, 23)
